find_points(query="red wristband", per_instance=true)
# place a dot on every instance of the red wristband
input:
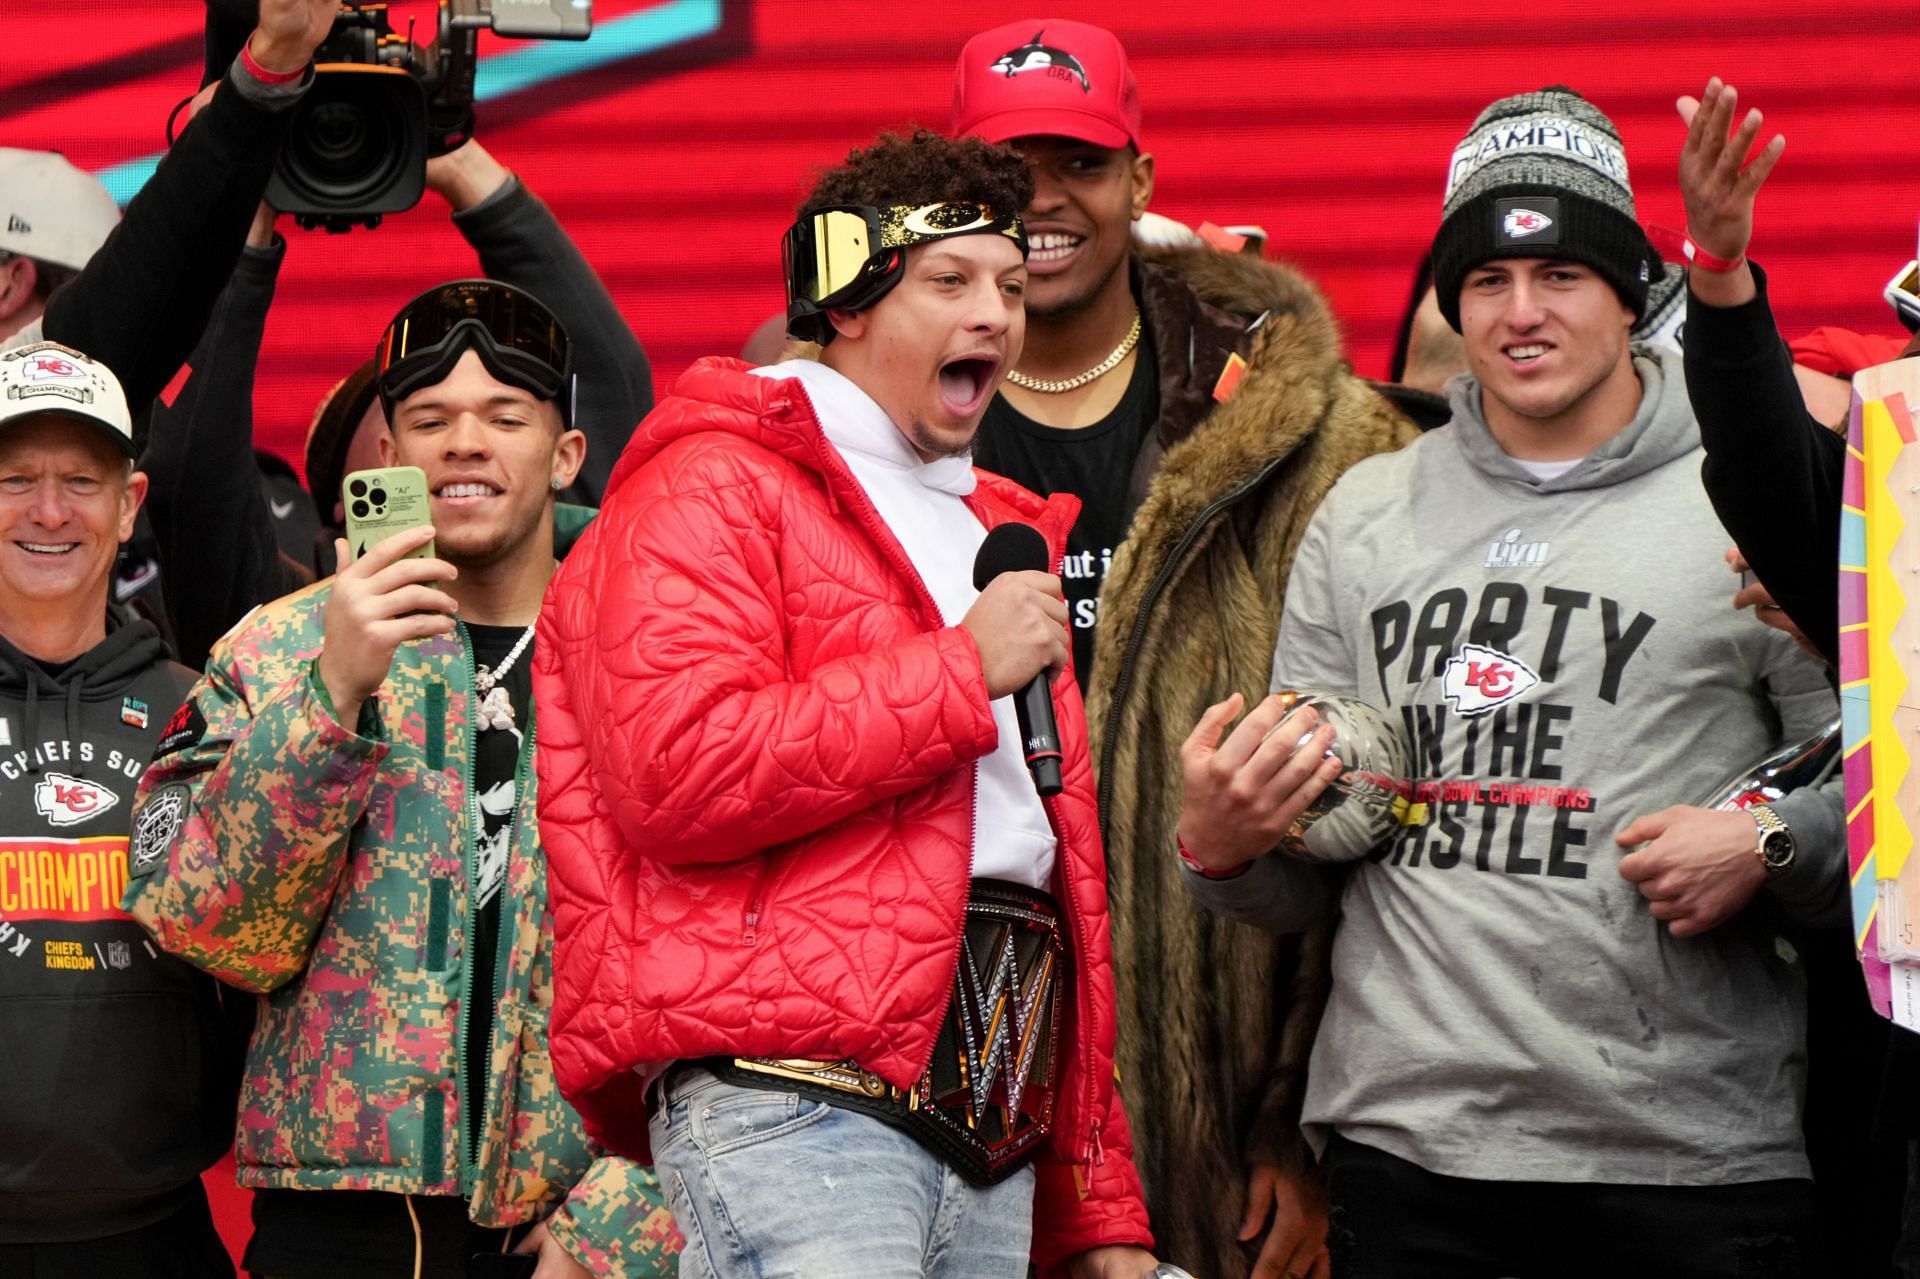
(260, 73)
(1706, 261)
(1193, 864)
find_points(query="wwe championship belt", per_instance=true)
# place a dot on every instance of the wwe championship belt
(985, 1102)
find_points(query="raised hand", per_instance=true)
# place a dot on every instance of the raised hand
(289, 31)
(1717, 181)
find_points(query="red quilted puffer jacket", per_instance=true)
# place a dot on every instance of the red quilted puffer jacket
(756, 787)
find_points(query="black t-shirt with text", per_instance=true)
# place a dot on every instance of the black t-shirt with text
(1094, 463)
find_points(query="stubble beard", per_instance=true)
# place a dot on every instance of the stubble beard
(931, 445)
(491, 550)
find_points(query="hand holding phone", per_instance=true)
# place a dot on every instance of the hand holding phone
(380, 601)
(383, 501)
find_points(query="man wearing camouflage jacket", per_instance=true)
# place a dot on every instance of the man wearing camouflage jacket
(342, 818)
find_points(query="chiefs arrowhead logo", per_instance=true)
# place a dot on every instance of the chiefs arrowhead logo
(1521, 223)
(1481, 678)
(68, 801)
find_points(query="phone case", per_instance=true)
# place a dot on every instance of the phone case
(382, 502)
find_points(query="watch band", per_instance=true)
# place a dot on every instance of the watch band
(1768, 823)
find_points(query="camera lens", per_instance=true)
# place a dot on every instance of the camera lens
(355, 139)
(360, 510)
(379, 496)
(358, 488)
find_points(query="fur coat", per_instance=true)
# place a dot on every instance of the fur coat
(1216, 1018)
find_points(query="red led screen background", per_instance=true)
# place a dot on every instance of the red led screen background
(675, 168)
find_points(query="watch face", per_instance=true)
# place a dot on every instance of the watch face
(1777, 849)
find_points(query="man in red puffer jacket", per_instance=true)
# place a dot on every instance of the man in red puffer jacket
(825, 956)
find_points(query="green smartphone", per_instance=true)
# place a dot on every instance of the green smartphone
(382, 502)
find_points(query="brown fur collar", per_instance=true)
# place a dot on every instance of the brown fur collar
(1295, 370)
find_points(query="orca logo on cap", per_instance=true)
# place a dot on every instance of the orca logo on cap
(1035, 56)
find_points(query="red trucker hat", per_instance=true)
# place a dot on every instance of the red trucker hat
(1046, 76)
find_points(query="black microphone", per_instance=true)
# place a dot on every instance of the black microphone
(1018, 548)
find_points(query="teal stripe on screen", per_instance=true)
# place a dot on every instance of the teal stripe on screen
(528, 66)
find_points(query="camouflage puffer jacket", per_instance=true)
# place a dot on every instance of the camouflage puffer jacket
(326, 867)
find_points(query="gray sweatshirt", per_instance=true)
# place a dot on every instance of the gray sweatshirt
(1565, 659)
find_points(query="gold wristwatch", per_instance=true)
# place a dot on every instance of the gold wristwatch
(1775, 846)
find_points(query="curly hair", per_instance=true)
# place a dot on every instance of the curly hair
(923, 169)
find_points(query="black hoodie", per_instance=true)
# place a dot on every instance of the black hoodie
(117, 1064)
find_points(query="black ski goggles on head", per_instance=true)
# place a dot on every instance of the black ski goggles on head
(847, 257)
(517, 338)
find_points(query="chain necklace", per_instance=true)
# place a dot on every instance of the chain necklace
(496, 708)
(1055, 386)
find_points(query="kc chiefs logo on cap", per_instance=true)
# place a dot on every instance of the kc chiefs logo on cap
(1533, 220)
(48, 367)
(1525, 222)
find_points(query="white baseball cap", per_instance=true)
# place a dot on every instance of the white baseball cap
(47, 378)
(51, 211)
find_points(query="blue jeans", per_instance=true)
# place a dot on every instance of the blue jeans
(767, 1184)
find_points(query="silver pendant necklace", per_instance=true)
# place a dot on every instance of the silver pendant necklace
(496, 708)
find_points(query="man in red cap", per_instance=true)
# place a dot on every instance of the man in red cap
(1198, 403)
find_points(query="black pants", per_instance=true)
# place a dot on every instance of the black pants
(366, 1234)
(182, 1246)
(1391, 1219)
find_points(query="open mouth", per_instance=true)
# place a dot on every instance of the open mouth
(1527, 353)
(1049, 249)
(466, 493)
(48, 548)
(966, 383)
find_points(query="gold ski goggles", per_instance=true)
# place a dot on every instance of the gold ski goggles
(847, 257)
(1903, 295)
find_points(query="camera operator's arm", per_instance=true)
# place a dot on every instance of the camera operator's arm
(141, 303)
(208, 506)
(1772, 471)
(521, 243)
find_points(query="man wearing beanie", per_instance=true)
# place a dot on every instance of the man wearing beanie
(1565, 1036)
(1198, 404)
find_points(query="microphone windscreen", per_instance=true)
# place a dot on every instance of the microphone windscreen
(1009, 548)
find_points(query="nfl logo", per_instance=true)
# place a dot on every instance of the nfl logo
(119, 954)
(133, 711)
